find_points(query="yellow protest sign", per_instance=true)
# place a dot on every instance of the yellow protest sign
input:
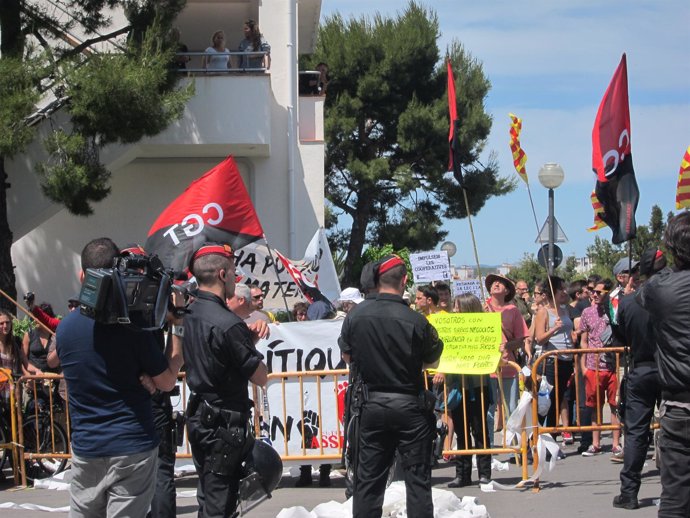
(471, 342)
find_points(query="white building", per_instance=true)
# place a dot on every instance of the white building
(275, 135)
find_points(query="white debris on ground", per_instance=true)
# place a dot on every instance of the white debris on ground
(446, 505)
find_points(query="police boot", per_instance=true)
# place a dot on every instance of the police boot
(463, 472)
(325, 475)
(304, 476)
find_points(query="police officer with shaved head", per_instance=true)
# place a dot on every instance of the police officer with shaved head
(220, 359)
(391, 345)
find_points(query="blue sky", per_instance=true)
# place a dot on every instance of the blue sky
(549, 62)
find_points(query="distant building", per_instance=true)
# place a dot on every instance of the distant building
(463, 273)
(504, 269)
(583, 265)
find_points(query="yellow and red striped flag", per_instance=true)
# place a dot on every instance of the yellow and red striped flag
(598, 211)
(519, 156)
(683, 189)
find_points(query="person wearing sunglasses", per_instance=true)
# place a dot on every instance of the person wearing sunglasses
(601, 382)
(256, 303)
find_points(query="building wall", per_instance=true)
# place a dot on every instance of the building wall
(243, 115)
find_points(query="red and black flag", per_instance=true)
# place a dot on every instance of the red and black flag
(215, 207)
(616, 187)
(453, 143)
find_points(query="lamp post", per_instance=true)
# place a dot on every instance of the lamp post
(551, 176)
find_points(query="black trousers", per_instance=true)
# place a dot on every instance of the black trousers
(164, 504)
(476, 428)
(215, 494)
(565, 370)
(674, 444)
(391, 422)
(641, 393)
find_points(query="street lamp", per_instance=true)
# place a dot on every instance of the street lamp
(551, 176)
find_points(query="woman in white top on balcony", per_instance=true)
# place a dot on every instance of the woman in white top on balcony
(217, 56)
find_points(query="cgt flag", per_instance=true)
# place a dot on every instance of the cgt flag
(215, 207)
(616, 187)
(683, 188)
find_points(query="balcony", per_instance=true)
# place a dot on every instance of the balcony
(229, 114)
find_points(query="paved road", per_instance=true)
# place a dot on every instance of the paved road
(578, 487)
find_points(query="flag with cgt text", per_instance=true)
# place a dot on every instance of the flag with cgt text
(616, 187)
(215, 207)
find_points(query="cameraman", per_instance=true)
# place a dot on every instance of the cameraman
(114, 441)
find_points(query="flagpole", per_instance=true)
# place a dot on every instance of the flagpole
(519, 161)
(474, 244)
(280, 284)
(541, 242)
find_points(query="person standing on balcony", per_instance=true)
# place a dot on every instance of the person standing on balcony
(217, 56)
(254, 42)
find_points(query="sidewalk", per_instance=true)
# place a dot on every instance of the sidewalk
(578, 486)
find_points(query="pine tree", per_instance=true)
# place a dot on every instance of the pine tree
(387, 132)
(111, 97)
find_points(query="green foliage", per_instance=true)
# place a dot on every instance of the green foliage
(122, 97)
(74, 173)
(21, 327)
(386, 131)
(113, 98)
(528, 269)
(604, 256)
(19, 95)
(649, 235)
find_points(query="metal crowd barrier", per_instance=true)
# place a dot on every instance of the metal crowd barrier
(40, 444)
(520, 451)
(577, 379)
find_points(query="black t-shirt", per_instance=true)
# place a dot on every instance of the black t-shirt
(389, 343)
(219, 354)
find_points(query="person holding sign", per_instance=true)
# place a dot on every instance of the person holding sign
(554, 332)
(390, 344)
(468, 416)
(514, 331)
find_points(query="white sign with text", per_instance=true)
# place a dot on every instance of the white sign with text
(430, 266)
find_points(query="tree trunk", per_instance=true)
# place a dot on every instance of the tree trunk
(358, 234)
(7, 278)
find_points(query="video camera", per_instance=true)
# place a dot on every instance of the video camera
(135, 291)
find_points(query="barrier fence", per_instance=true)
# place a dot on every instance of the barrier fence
(37, 429)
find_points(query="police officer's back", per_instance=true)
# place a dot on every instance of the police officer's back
(390, 345)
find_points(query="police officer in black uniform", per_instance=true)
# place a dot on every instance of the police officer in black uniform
(642, 386)
(391, 345)
(220, 359)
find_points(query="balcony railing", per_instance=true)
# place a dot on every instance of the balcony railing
(238, 62)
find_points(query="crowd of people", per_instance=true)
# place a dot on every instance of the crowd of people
(114, 374)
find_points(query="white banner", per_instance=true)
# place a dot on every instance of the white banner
(305, 346)
(430, 266)
(317, 267)
(472, 286)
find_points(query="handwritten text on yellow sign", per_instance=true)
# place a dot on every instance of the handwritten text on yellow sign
(471, 342)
